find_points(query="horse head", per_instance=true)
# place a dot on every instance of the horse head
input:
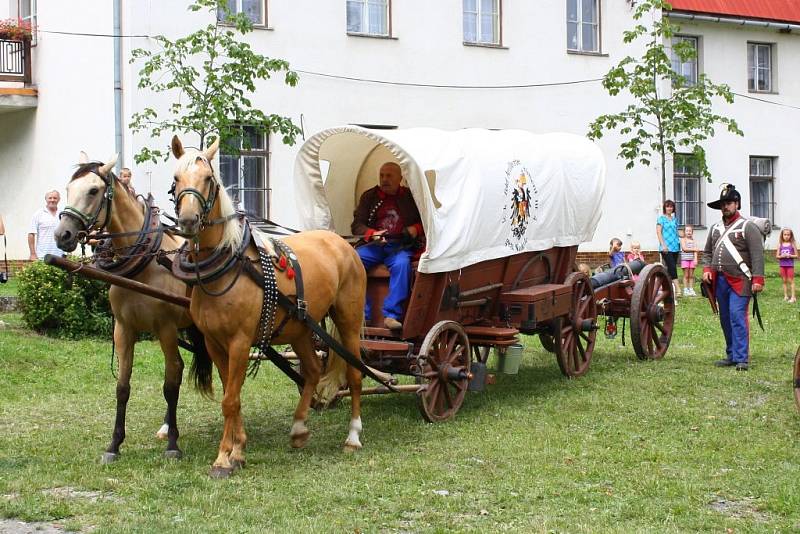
(195, 189)
(89, 196)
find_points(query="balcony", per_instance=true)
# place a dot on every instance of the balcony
(15, 76)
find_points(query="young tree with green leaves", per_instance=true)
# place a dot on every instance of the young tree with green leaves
(213, 75)
(669, 113)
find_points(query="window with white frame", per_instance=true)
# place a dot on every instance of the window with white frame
(368, 17)
(256, 10)
(244, 175)
(26, 13)
(686, 67)
(759, 67)
(762, 187)
(686, 185)
(482, 21)
(583, 25)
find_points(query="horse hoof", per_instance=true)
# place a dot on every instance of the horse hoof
(173, 454)
(162, 432)
(109, 457)
(299, 440)
(220, 472)
(350, 448)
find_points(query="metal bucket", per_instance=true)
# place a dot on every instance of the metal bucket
(508, 360)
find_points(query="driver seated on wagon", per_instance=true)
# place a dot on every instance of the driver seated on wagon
(389, 221)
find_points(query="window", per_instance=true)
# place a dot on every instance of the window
(686, 184)
(583, 26)
(245, 175)
(759, 67)
(686, 67)
(482, 21)
(762, 178)
(26, 13)
(255, 10)
(368, 17)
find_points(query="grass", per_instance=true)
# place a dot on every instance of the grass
(670, 446)
(10, 288)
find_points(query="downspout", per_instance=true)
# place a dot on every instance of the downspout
(118, 145)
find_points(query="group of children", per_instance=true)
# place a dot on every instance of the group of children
(786, 253)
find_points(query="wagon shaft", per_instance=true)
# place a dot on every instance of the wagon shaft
(97, 274)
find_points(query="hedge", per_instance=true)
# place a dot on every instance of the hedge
(60, 304)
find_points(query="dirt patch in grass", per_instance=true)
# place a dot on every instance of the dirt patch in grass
(14, 526)
(744, 508)
(67, 492)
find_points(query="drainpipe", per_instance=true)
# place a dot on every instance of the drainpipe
(118, 146)
(780, 26)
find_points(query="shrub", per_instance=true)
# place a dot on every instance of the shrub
(57, 303)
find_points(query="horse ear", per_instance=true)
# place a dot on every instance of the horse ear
(210, 151)
(105, 169)
(83, 158)
(177, 147)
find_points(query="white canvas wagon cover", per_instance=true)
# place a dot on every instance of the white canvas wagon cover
(482, 194)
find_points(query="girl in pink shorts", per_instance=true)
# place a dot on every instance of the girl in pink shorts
(786, 254)
(688, 260)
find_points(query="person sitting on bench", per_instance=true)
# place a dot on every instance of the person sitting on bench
(389, 221)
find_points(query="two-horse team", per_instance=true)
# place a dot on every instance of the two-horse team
(484, 277)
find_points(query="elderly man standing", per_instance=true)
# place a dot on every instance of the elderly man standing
(40, 235)
(389, 220)
(733, 262)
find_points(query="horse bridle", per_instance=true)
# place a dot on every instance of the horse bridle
(206, 204)
(89, 221)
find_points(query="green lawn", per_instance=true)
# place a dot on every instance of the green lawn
(670, 446)
(9, 289)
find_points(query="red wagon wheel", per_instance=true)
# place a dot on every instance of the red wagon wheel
(577, 330)
(652, 313)
(444, 371)
(797, 378)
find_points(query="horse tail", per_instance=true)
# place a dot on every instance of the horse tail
(200, 371)
(335, 375)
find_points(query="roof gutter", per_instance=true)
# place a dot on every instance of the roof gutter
(780, 26)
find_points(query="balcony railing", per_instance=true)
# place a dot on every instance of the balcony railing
(15, 61)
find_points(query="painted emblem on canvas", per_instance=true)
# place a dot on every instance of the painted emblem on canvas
(522, 204)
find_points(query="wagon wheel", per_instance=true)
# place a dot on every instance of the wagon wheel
(444, 371)
(797, 378)
(652, 313)
(577, 330)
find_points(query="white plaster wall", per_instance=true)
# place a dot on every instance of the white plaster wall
(38, 148)
(74, 75)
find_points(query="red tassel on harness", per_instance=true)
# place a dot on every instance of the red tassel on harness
(282, 263)
(289, 273)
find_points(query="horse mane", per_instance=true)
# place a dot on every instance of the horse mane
(232, 230)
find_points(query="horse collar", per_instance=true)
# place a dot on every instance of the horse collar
(138, 255)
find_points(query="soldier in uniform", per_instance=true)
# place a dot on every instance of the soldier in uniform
(733, 263)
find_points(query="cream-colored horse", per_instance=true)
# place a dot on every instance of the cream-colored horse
(97, 201)
(334, 280)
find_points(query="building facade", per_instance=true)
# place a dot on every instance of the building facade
(448, 64)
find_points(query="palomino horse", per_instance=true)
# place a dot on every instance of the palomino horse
(227, 308)
(95, 195)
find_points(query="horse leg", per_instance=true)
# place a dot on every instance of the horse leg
(173, 376)
(234, 439)
(304, 348)
(124, 340)
(348, 323)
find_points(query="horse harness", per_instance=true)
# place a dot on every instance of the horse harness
(130, 261)
(223, 261)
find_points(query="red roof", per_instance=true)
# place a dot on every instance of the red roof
(778, 10)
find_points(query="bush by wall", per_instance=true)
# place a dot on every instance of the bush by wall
(56, 303)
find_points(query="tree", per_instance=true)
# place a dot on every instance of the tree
(212, 74)
(662, 119)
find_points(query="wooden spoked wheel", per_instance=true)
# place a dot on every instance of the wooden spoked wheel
(444, 371)
(578, 329)
(652, 313)
(796, 377)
